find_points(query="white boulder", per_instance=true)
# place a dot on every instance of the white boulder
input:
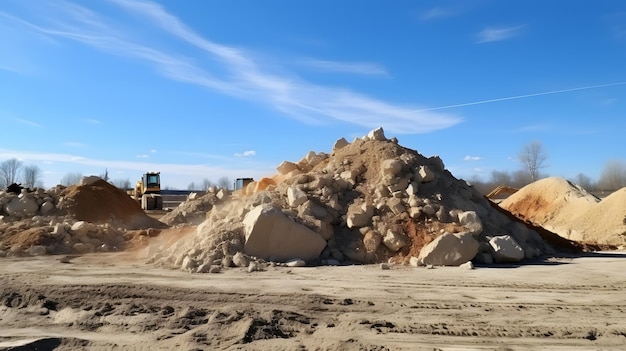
(89, 180)
(340, 144)
(449, 250)
(286, 167)
(377, 134)
(394, 241)
(506, 249)
(471, 222)
(296, 196)
(270, 233)
(22, 206)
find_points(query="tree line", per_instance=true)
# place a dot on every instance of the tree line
(533, 158)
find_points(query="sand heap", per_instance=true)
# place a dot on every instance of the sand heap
(368, 201)
(92, 216)
(568, 210)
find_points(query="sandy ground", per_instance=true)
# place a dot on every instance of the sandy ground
(108, 302)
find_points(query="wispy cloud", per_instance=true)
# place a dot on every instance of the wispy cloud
(247, 153)
(362, 68)
(532, 128)
(27, 122)
(74, 144)
(92, 121)
(472, 158)
(192, 171)
(492, 34)
(143, 156)
(235, 71)
(435, 13)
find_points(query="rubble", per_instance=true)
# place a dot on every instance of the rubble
(369, 201)
(92, 217)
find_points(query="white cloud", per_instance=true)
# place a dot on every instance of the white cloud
(435, 13)
(30, 123)
(363, 68)
(247, 153)
(170, 172)
(235, 71)
(488, 35)
(92, 121)
(75, 144)
(153, 151)
(472, 158)
(143, 156)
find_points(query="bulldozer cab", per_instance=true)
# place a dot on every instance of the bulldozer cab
(151, 183)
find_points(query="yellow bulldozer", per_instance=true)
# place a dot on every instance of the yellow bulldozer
(147, 191)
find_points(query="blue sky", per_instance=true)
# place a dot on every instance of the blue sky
(211, 89)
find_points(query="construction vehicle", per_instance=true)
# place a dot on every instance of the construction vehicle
(147, 191)
(501, 191)
(242, 183)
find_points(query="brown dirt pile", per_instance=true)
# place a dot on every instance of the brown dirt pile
(568, 210)
(101, 202)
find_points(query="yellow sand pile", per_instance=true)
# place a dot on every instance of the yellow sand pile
(568, 210)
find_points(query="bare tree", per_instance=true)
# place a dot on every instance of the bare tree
(501, 178)
(223, 182)
(613, 175)
(31, 176)
(533, 157)
(192, 186)
(121, 183)
(9, 172)
(71, 178)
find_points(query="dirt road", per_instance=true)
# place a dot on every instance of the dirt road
(110, 302)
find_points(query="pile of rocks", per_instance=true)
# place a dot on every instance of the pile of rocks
(92, 216)
(368, 201)
(193, 211)
(26, 203)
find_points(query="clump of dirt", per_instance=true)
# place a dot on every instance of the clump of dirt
(101, 202)
(568, 210)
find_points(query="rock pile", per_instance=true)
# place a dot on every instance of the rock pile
(193, 211)
(367, 201)
(89, 217)
(568, 210)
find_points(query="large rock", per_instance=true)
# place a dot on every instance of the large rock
(270, 234)
(506, 249)
(449, 250)
(471, 222)
(89, 180)
(359, 215)
(377, 134)
(286, 167)
(296, 196)
(22, 206)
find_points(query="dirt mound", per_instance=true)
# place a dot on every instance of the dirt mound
(568, 210)
(101, 202)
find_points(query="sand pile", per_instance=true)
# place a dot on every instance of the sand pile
(568, 210)
(370, 201)
(100, 202)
